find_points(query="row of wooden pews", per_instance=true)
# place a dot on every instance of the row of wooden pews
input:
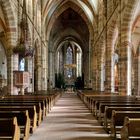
(117, 113)
(20, 115)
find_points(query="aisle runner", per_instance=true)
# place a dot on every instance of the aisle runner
(69, 120)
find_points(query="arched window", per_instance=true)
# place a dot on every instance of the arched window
(69, 61)
(22, 65)
(69, 56)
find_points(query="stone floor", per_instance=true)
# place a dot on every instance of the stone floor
(69, 119)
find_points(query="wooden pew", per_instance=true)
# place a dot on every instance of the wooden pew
(113, 99)
(9, 129)
(94, 101)
(37, 106)
(117, 120)
(31, 111)
(47, 99)
(46, 102)
(101, 111)
(22, 120)
(40, 104)
(50, 97)
(130, 129)
(108, 114)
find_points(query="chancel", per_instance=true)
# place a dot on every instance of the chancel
(69, 69)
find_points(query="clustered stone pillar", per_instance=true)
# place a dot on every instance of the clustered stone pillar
(30, 69)
(124, 66)
(10, 71)
(38, 69)
(44, 73)
(51, 69)
(136, 75)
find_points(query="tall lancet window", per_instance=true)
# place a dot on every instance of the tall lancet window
(22, 65)
(69, 61)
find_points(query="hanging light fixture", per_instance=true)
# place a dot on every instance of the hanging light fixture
(23, 48)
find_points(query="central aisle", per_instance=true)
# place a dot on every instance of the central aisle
(69, 119)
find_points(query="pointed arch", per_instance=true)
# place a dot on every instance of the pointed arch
(59, 10)
(11, 22)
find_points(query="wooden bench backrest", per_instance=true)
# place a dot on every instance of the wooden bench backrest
(9, 127)
(130, 129)
(40, 105)
(22, 119)
(103, 105)
(21, 116)
(31, 111)
(109, 109)
(134, 127)
(118, 116)
(114, 102)
(96, 101)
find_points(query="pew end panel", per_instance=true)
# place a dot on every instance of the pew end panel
(130, 129)
(9, 129)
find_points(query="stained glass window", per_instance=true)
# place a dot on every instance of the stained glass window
(22, 64)
(69, 61)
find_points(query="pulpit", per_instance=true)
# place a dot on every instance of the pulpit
(21, 80)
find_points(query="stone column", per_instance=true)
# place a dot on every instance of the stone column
(125, 68)
(90, 63)
(44, 72)
(136, 78)
(46, 68)
(94, 67)
(51, 68)
(38, 69)
(112, 73)
(98, 70)
(30, 69)
(102, 76)
(139, 73)
(15, 68)
(136, 75)
(103, 59)
(108, 65)
(85, 65)
(10, 71)
(100, 64)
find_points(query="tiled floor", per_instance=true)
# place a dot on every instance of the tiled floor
(69, 120)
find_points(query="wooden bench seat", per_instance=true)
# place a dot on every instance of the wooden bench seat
(117, 120)
(37, 106)
(130, 129)
(47, 99)
(114, 99)
(31, 111)
(34, 102)
(108, 113)
(93, 102)
(99, 109)
(22, 120)
(9, 129)
(100, 112)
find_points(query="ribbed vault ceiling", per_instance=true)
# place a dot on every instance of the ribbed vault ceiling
(88, 6)
(69, 18)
